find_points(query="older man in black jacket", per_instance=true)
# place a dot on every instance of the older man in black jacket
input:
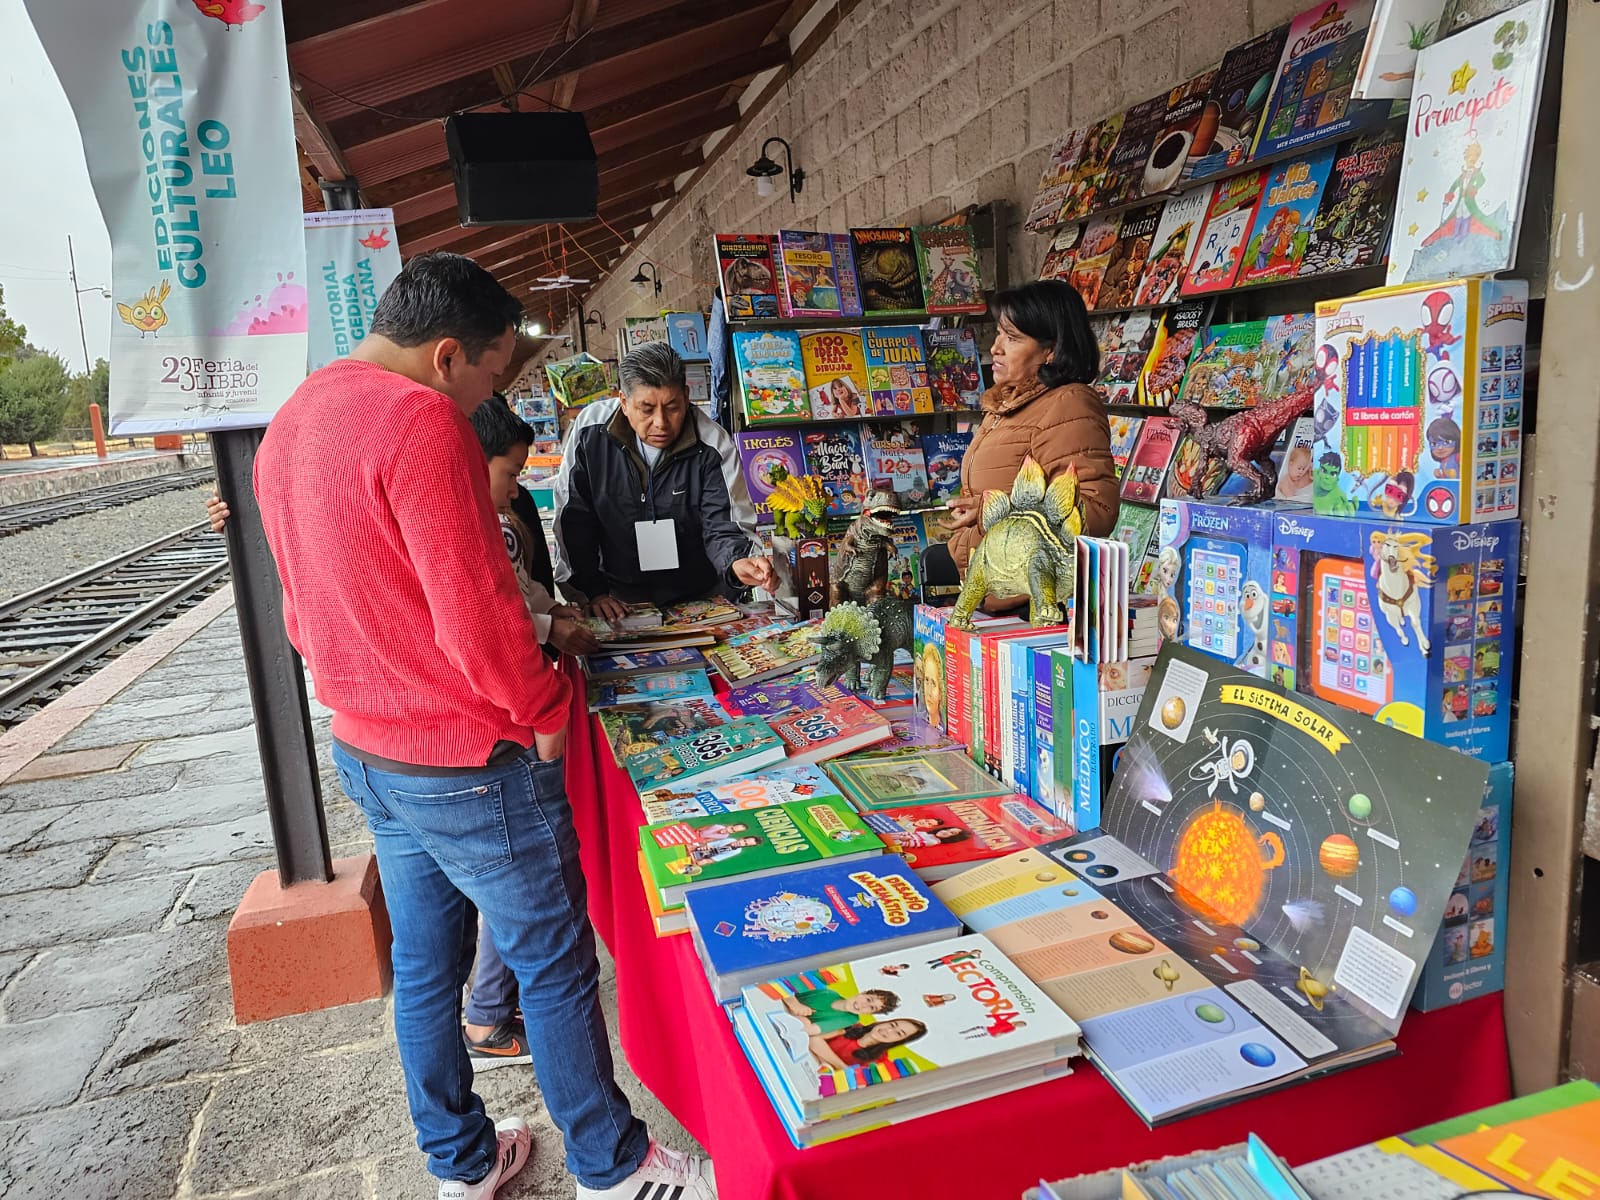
(650, 503)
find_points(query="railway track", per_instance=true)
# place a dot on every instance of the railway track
(14, 518)
(54, 636)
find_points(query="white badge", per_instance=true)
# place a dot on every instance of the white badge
(658, 545)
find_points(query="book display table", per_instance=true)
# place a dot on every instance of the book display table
(683, 1049)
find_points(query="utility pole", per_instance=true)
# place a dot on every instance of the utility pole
(77, 296)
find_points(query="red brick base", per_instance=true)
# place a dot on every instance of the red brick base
(311, 946)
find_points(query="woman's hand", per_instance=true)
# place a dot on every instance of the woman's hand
(217, 512)
(965, 511)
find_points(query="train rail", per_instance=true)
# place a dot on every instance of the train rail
(54, 636)
(31, 514)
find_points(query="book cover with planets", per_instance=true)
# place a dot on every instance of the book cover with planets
(1261, 897)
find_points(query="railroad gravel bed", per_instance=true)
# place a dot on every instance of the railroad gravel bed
(36, 556)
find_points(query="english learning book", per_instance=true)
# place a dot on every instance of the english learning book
(1125, 267)
(1239, 92)
(1465, 173)
(897, 373)
(947, 256)
(635, 728)
(954, 374)
(768, 457)
(1177, 234)
(775, 785)
(892, 453)
(1215, 263)
(836, 373)
(1357, 204)
(807, 273)
(886, 262)
(1125, 341)
(834, 454)
(1281, 232)
(1311, 97)
(749, 279)
(772, 377)
(943, 452)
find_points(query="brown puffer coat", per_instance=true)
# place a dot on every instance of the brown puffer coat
(1059, 427)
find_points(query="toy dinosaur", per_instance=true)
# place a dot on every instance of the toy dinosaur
(1242, 442)
(853, 634)
(800, 506)
(862, 572)
(1027, 546)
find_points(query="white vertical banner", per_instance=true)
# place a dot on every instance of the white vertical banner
(352, 256)
(187, 129)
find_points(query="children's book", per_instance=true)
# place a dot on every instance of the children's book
(602, 668)
(1239, 92)
(1090, 176)
(912, 734)
(886, 261)
(1225, 370)
(892, 454)
(686, 334)
(1282, 228)
(736, 748)
(895, 782)
(1462, 14)
(1177, 234)
(896, 370)
(1311, 96)
(954, 1013)
(849, 282)
(1124, 436)
(1297, 478)
(1173, 152)
(1357, 204)
(938, 840)
(1140, 127)
(1125, 267)
(768, 457)
(692, 852)
(635, 728)
(669, 685)
(1288, 360)
(947, 257)
(772, 377)
(778, 697)
(1162, 379)
(907, 542)
(1125, 341)
(766, 658)
(837, 728)
(749, 279)
(1215, 263)
(747, 931)
(834, 454)
(1465, 173)
(774, 785)
(943, 452)
(954, 374)
(1136, 525)
(836, 373)
(1254, 975)
(1151, 458)
(1398, 30)
(807, 273)
(1094, 256)
(700, 614)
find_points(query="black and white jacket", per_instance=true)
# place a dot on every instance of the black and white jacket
(604, 488)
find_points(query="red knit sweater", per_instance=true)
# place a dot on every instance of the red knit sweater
(397, 589)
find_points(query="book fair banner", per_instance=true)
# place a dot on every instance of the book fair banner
(185, 116)
(353, 256)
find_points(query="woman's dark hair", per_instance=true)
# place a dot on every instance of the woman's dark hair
(444, 295)
(498, 428)
(863, 1054)
(1051, 311)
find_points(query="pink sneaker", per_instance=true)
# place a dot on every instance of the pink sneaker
(516, 1148)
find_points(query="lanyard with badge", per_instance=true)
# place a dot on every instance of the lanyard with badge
(657, 540)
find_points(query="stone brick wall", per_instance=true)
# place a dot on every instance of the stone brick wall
(914, 108)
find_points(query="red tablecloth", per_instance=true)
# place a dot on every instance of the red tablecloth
(683, 1049)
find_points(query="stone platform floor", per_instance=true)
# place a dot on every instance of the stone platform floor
(123, 852)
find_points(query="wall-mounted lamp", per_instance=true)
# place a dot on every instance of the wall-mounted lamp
(764, 170)
(595, 317)
(640, 280)
(590, 318)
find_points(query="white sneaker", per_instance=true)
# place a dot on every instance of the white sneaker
(516, 1148)
(665, 1175)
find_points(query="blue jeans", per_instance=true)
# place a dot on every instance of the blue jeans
(499, 842)
(493, 998)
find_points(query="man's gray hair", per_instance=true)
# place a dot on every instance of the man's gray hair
(653, 365)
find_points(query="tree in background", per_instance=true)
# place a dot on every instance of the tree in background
(33, 397)
(13, 337)
(84, 390)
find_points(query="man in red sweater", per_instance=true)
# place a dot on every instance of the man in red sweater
(449, 725)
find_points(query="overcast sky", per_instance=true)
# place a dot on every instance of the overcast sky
(46, 199)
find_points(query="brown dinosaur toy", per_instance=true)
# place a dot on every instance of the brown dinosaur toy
(1243, 442)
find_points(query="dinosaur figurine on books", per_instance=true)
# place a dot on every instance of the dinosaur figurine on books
(852, 634)
(1242, 442)
(1027, 548)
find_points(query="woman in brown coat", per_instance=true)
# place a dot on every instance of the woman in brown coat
(1042, 404)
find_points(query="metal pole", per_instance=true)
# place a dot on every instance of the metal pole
(284, 735)
(77, 296)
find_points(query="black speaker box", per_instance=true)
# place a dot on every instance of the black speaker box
(516, 168)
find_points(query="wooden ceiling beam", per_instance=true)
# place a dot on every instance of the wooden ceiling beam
(703, 81)
(307, 19)
(476, 88)
(315, 140)
(675, 137)
(580, 22)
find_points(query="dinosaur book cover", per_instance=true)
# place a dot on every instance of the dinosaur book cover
(1281, 232)
(1465, 171)
(886, 263)
(1358, 203)
(749, 280)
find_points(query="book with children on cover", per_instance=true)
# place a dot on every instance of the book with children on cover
(775, 785)
(940, 840)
